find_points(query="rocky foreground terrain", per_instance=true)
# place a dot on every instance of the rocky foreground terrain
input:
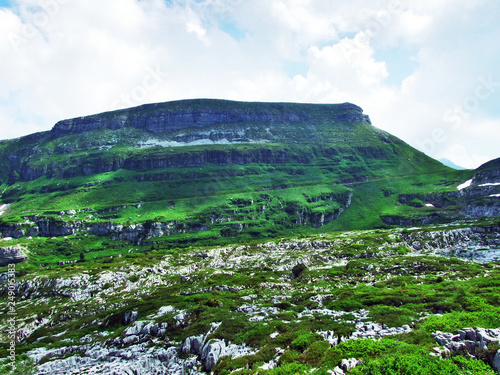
(265, 306)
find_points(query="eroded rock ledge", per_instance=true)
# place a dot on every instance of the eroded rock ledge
(169, 116)
(11, 255)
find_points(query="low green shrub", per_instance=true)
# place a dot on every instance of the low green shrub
(133, 278)
(289, 369)
(303, 341)
(315, 353)
(297, 270)
(418, 364)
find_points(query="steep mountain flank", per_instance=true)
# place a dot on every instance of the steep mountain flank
(183, 166)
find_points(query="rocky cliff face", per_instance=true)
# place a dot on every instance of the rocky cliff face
(218, 157)
(486, 177)
(164, 117)
(11, 255)
(56, 228)
(82, 166)
(488, 173)
(170, 116)
(333, 206)
(184, 123)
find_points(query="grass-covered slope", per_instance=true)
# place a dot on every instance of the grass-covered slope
(217, 168)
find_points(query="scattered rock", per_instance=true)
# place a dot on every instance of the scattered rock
(348, 364)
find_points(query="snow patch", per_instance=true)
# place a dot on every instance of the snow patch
(466, 184)
(494, 184)
(200, 142)
(429, 205)
(495, 195)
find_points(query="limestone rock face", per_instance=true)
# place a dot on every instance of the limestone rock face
(130, 317)
(162, 117)
(348, 364)
(177, 115)
(469, 340)
(486, 177)
(10, 255)
(11, 230)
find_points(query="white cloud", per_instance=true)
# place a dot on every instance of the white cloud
(80, 58)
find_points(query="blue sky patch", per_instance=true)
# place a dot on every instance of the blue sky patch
(293, 68)
(399, 62)
(4, 3)
(231, 29)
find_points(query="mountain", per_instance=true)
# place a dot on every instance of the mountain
(450, 164)
(208, 169)
(212, 236)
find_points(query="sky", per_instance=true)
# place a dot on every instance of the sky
(426, 71)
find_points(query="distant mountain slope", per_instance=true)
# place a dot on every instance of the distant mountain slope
(450, 164)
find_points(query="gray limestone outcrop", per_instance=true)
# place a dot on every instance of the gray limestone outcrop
(345, 366)
(99, 359)
(209, 351)
(169, 116)
(11, 255)
(133, 354)
(486, 177)
(38, 226)
(469, 339)
(364, 329)
(12, 230)
(476, 198)
(467, 243)
(55, 227)
(403, 221)
(472, 341)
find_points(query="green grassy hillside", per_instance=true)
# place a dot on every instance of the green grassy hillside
(277, 169)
